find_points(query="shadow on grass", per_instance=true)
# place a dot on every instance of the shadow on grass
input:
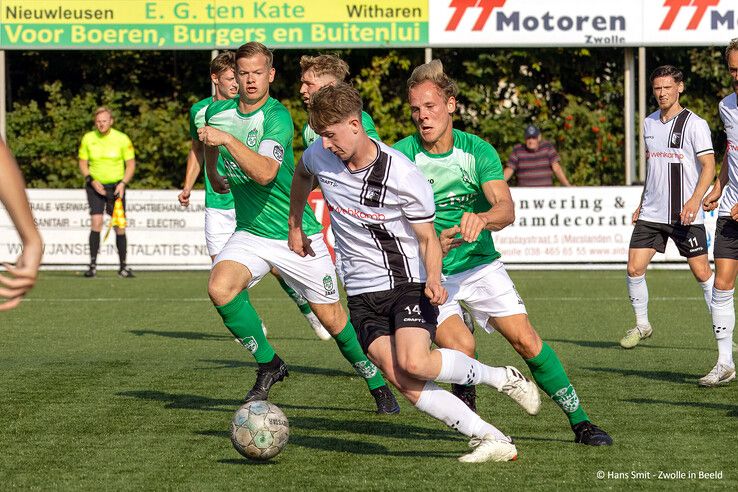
(670, 376)
(245, 462)
(188, 402)
(186, 335)
(603, 344)
(237, 364)
(339, 445)
(731, 409)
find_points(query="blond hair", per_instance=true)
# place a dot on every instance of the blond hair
(255, 48)
(333, 104)
(325, 64)
(102, 109)
(433, 72)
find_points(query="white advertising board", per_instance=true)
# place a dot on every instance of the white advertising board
(552, 226)
(561, 23)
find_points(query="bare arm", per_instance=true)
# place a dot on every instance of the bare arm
(260, 168)
(218, 182)
(508, 173)
(430, 252)
(692, 206)
(21, 277)
(559, 173)
(302, 184)
(195, 159)
(711, 200)
(120, 189)
(84, 167)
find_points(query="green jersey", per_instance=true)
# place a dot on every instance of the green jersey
(309, 136)
(260, 210)
(456, 178)
(222, 201)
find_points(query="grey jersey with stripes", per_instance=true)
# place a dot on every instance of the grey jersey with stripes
(371, 213)
(729, 115)
(672, 151)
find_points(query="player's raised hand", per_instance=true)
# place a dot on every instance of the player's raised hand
(689, 211)
(220, 184)
(449, 240)
(299, 242)
(471, 226)
(212, 136)
(436, 292)
(20, 278)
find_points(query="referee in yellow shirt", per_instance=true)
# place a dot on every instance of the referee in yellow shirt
(106, 159)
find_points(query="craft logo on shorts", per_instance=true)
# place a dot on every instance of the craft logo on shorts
(330, 289)
(251, 138)
(278, 152)
(567, 399)
(249, 343)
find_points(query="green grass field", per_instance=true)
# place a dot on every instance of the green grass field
(111, 383)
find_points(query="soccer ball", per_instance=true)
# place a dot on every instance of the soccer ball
(259, 430)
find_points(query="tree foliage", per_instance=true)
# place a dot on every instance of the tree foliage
(574, 95)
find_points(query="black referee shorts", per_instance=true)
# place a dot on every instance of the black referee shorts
(377, 314)
(102, 203)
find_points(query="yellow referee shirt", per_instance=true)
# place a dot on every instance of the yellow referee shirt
(106, 154)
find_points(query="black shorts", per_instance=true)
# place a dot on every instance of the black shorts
(690, 240)
(102, 203)
(726, 238)
(377, 314)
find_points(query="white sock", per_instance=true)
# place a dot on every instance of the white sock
(459, 368)
(723, 323)
(441, 404)
(707, 290)
(638, 294)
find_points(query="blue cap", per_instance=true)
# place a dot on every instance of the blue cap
(532, 131)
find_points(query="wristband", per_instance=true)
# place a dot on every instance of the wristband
(88, 180)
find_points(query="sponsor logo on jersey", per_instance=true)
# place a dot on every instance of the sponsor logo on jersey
(664, 155)
(365, 369)
(249, 343)
(355, 213)
(567, 399)
(251, 138)
(330, 289)
(278, 152)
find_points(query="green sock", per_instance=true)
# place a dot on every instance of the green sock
(551, 377)
(241, 319)
(349, 346)
(297, 298)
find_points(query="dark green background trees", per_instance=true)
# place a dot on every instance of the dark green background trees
(574, 95)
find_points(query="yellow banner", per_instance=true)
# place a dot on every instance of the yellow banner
(138, 12)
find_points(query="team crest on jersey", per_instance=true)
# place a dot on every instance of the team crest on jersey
(567, 399)
(278, 152)
(251, 138)
(249, 343)
(465, 177)
(676, 139)
(330, 289)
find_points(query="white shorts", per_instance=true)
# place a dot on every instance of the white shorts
(488, 292)
(219, 226)
(313, 277)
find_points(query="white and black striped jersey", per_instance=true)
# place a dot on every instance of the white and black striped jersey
(729, 115)
(672, 151)
(371, 211)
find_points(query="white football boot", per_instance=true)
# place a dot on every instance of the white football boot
(488, 448)
(522, 390)
(720, 374)
(635, 335)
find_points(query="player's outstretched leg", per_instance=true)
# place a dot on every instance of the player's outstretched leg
(241, 319)
(723, 324)
(304, 308)
(332, 317)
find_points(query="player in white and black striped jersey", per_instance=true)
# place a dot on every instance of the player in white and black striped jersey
(726, 234)
(681, 166)
(382, 212)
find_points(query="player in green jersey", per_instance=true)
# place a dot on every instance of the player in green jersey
(220, 216)
(317, 72)
(253, 134)
(472, 199)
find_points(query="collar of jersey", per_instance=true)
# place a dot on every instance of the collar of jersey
(249, 115)
(665, 122)
(368, 165)
(436, 156)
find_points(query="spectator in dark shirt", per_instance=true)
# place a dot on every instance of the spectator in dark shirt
(535, 162)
